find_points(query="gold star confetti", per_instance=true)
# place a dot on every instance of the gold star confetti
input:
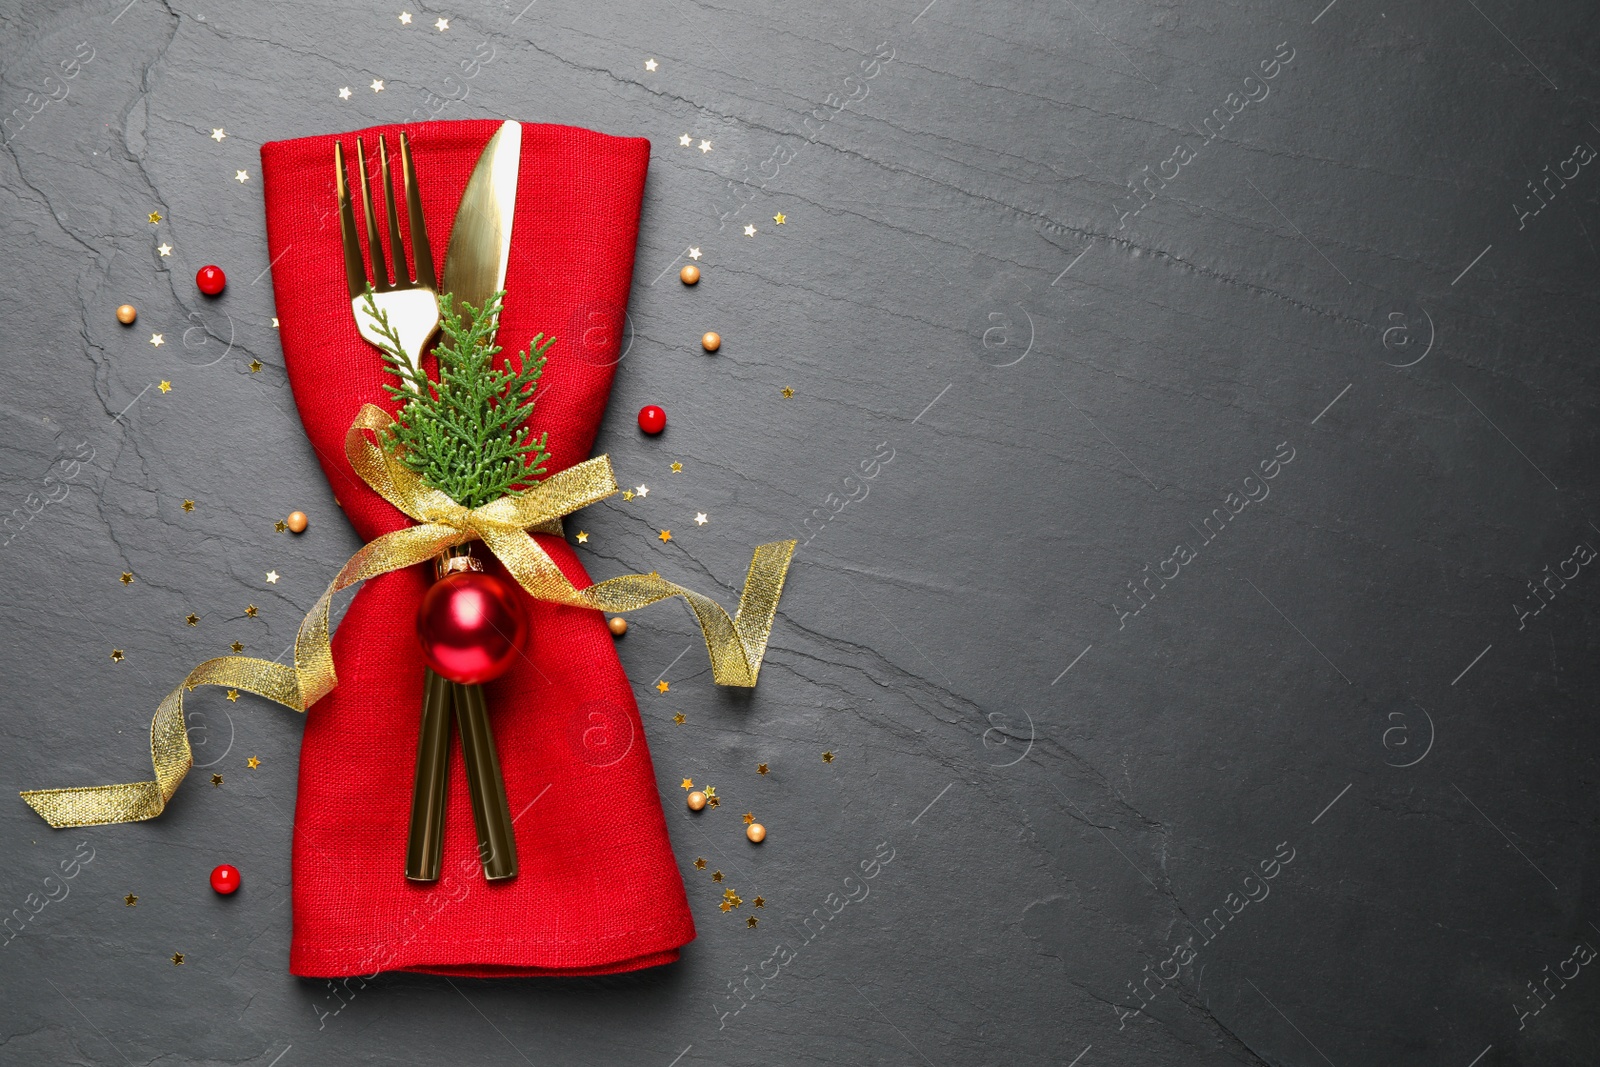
(377, 85)
(680, 718)
(272, 577)
(749, 230)
(216, 780)
(643, 490)
(627, 494)
(729, 894)
(280, 526)
(761, 768)
(688, 783)
(664, 536)
(715, 802)
(237, 647)
(726, 906)
(155, 217)
(441, 24)
(116, 655)
(685, 140)
(780, 218)
(165, 249)
(700, 863)
(130, 900)
(787, 392)
(749, 817)
(344, 94)
(188, 505)
(700, 518)
(233, 695)
(583, 537)
(177, 959)
(752, 922)
(737, 900)
(405, 18)
(716, 876)
(165, 386)
(705, 146)
(127, 578)
(650, 65)
(827, 757)
(694, 253)
(253, 762)
(250, 611)
(711, 791)
(677, 468)
(255, 365)
(760, 902)
(218, 134)
(241, 176)
(192, 619)
(662, 686)
(157, 340)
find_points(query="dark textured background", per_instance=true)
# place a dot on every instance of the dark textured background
(1342, 674)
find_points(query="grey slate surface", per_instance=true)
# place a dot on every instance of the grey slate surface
(1356, 270)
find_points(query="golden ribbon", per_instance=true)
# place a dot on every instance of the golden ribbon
(736, 644)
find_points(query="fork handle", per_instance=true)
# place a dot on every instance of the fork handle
(425, 844)
(497, 842)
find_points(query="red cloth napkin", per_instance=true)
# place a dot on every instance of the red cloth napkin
(598, 890)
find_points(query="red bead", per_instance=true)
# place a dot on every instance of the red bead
(210, 280)
(225, 878)
(652, 420)
(472, 626)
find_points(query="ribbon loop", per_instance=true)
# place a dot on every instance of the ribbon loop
(736, 645)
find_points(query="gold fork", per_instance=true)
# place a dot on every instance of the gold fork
(412, 307)
(410, 303)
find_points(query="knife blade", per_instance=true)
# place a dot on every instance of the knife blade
(480, 241)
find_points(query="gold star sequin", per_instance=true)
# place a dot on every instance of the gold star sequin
(116, 655)
(694, 253)
(237, 647)
(726, 906)
(715, 802)
(188, 505)
(344, 94)
(729, 894)
(680, 718)
(627, 494)
(677, 468)
(218, 134)
(441, 24)
(241, 176)
(272, 577)
(165, 249)
(716, 876)
(700, 518)
(280, 526)
(233, 695)
(759, 902)
(405, 18)
(749, 817)
(650, 65)
(256, 365)
(216, 780)
(761, 768)
(700, 863)
(827, 757)
(711, 791)
(192, 619)
(251, 611)
(155, 217)
(583, 537)
(127, 578)
(752, 922)
(253, 762)
(165, 386)
(685, 140)
(177, 959)
(157, 340)
(664, 536)
(780, 218)
(787, 392)
(130, 900)
(736, 900)
(749, 230)
(705, 146)
(377, 85)
(662, 686)
(688, 783)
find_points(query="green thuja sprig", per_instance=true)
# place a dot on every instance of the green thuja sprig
(467, 434)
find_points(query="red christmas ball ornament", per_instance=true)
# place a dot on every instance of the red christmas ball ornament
(652, 420)
(225, 879)
(211, 280)
(472, 626)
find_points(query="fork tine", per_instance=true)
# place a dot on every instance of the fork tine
(380, 274)
(396, 250)
(421, 253)
(354, 270)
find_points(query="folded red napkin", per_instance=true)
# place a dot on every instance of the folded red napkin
(598, 890)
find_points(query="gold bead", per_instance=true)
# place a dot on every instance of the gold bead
(618, 625)
(126, 314)
(711, 342)
(297, 521)
(697, 800)
(689, 275)
(756, 833)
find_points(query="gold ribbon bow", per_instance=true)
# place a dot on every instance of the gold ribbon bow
(736, 644)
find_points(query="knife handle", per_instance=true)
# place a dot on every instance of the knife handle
(497, 843)
(425, 844)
